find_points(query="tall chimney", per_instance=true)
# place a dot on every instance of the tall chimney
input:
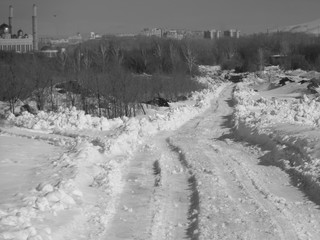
(10, 19)
(35, 28)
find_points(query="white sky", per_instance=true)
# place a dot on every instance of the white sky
(126, 16)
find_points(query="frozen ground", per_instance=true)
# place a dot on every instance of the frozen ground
(229, 163)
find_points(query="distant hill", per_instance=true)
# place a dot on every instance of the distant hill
(312, 27)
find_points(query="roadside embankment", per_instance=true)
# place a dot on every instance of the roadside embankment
(288, 132)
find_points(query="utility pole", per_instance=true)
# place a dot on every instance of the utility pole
(35, 28)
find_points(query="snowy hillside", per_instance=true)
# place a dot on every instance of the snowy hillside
(312, 27)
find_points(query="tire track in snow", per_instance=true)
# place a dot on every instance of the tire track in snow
(284, 209)
(194, 210)
(157, 173)
(176, 215)
(236, 206)
(155, 201)
(252, 191)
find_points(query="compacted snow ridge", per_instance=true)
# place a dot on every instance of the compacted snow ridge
(193, 228)
(154, 203)
(234, 161)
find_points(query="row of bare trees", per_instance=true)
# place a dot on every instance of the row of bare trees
(113, 76)
(99, 77)
(140, 55)
(109, 74)
(21, 75)
(253, 52)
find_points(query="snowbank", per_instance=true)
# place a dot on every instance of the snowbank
(285, 128)
(259, 111)
(123, 133)
(75, 177)
(65, 118)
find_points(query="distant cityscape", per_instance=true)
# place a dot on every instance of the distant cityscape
(153, 32)
(146, 32)
(22, 42)
(196, 34)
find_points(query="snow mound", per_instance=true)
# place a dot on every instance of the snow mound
(126, 137)
(65, 118)
(288, 128)
(259, 111)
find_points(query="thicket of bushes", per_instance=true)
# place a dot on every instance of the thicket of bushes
(114, 76)
(252, 53)
(100, 77)
(248, 53)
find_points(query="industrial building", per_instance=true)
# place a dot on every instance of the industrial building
(9, 41)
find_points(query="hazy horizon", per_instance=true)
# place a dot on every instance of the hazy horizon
(127, 16)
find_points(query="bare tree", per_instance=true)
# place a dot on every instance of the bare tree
(12, 86)
(190, 58)
(103, 52)
(261, 59)
(174, 56)
(86, 59)
(144, 55)
(77, 59)
(117, 53)
(40, 81)
(284, 48)
(62, 58)
(157, 52)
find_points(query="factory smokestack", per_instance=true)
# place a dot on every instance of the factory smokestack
(10, 19)
(35, 28)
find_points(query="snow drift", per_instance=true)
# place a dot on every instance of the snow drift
(287, 127)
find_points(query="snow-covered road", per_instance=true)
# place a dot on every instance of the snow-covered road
(155, 201)
(197, 182)
(233, 195)
(240, 196)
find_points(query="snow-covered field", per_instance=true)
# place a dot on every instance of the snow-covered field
(174, 173)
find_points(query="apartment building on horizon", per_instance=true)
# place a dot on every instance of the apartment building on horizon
(233, 33)
(192, 34)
